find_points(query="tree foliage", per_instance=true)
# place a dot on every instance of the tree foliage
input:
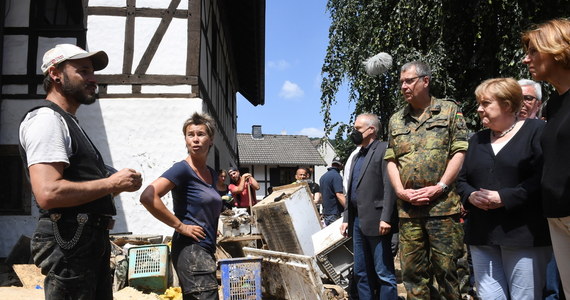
(464, 42)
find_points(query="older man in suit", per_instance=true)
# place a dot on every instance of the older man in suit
(370, 215)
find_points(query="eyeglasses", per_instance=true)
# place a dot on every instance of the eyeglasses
(410, 81)
(529, 98)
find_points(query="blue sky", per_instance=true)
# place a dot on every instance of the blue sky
(296, 39)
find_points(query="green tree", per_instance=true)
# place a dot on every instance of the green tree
(465, 42)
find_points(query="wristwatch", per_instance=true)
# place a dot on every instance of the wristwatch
(444, 186)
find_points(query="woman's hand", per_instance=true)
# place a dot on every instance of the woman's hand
(195, 232)
(492, 197)
(486, 199)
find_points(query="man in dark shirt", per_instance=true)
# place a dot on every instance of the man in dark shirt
(332, 192)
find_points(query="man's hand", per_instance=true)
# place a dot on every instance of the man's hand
(384, 228)
(126, 180)
(425, 195)
(414, 197)
(246, 176)
(406, 194)
(343, 229)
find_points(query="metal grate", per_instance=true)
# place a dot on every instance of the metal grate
(241, 278)
(147, 260)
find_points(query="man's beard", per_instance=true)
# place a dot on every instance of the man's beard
(77, 91)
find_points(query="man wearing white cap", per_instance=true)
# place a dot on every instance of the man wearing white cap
(71, 184)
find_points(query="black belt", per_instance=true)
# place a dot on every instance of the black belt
(93, 220)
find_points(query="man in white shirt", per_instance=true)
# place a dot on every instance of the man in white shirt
(71, 184)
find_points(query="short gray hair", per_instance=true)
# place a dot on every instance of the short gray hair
(535, 85)
(422, 68)
(372, 120)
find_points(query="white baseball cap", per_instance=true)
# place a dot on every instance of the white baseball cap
(63, 52)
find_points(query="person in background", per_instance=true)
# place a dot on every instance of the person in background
(532, 108)
(71, 184)
(332, 192)
(223, 190)
(499, 185)
(547, 48)
(304, 175)
(197, 207)
(243, 189)
(427, 144)
(532, 96)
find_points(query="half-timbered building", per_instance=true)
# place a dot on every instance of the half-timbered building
(167, 60)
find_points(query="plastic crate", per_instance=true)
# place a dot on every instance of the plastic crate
(241, 278)
(148, 267)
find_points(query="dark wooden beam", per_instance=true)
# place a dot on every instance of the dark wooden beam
(193, 51)
(119, 79)
(139, 12)
(157, 38)
(146, 79)
(146, 95)
(129, 37)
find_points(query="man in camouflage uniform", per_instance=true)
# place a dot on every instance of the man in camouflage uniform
(427, 144)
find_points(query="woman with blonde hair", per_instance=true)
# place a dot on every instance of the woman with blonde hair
(499, 185)
(547, 47)
(197, 207)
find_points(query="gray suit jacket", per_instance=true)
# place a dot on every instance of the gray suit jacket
(376, 198)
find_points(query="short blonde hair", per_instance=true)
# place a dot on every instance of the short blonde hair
(551, 37)
(506, 91)
(201, 119)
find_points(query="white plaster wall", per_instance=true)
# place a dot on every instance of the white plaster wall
(113, 3)
(166, 89)
(259, 175)
(14, 89)
(14, 56)
(160, 4)
(108, 34)
(143, 134)
(170, 57)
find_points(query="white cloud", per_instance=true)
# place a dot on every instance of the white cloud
(312, 132)
(279, 65)
(291, 90)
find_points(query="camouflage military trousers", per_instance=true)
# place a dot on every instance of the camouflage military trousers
(430, 248)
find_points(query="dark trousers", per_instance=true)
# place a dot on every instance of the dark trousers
(553, 288)
(196, 269)
(79, 273)
(374, 271)
(329, 219)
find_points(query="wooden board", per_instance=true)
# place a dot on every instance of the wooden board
(29, 275)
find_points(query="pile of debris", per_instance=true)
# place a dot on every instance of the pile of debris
(292, 256)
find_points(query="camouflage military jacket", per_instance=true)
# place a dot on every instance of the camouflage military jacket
(422, 148)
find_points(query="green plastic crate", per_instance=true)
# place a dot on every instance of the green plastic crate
(148, 268)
